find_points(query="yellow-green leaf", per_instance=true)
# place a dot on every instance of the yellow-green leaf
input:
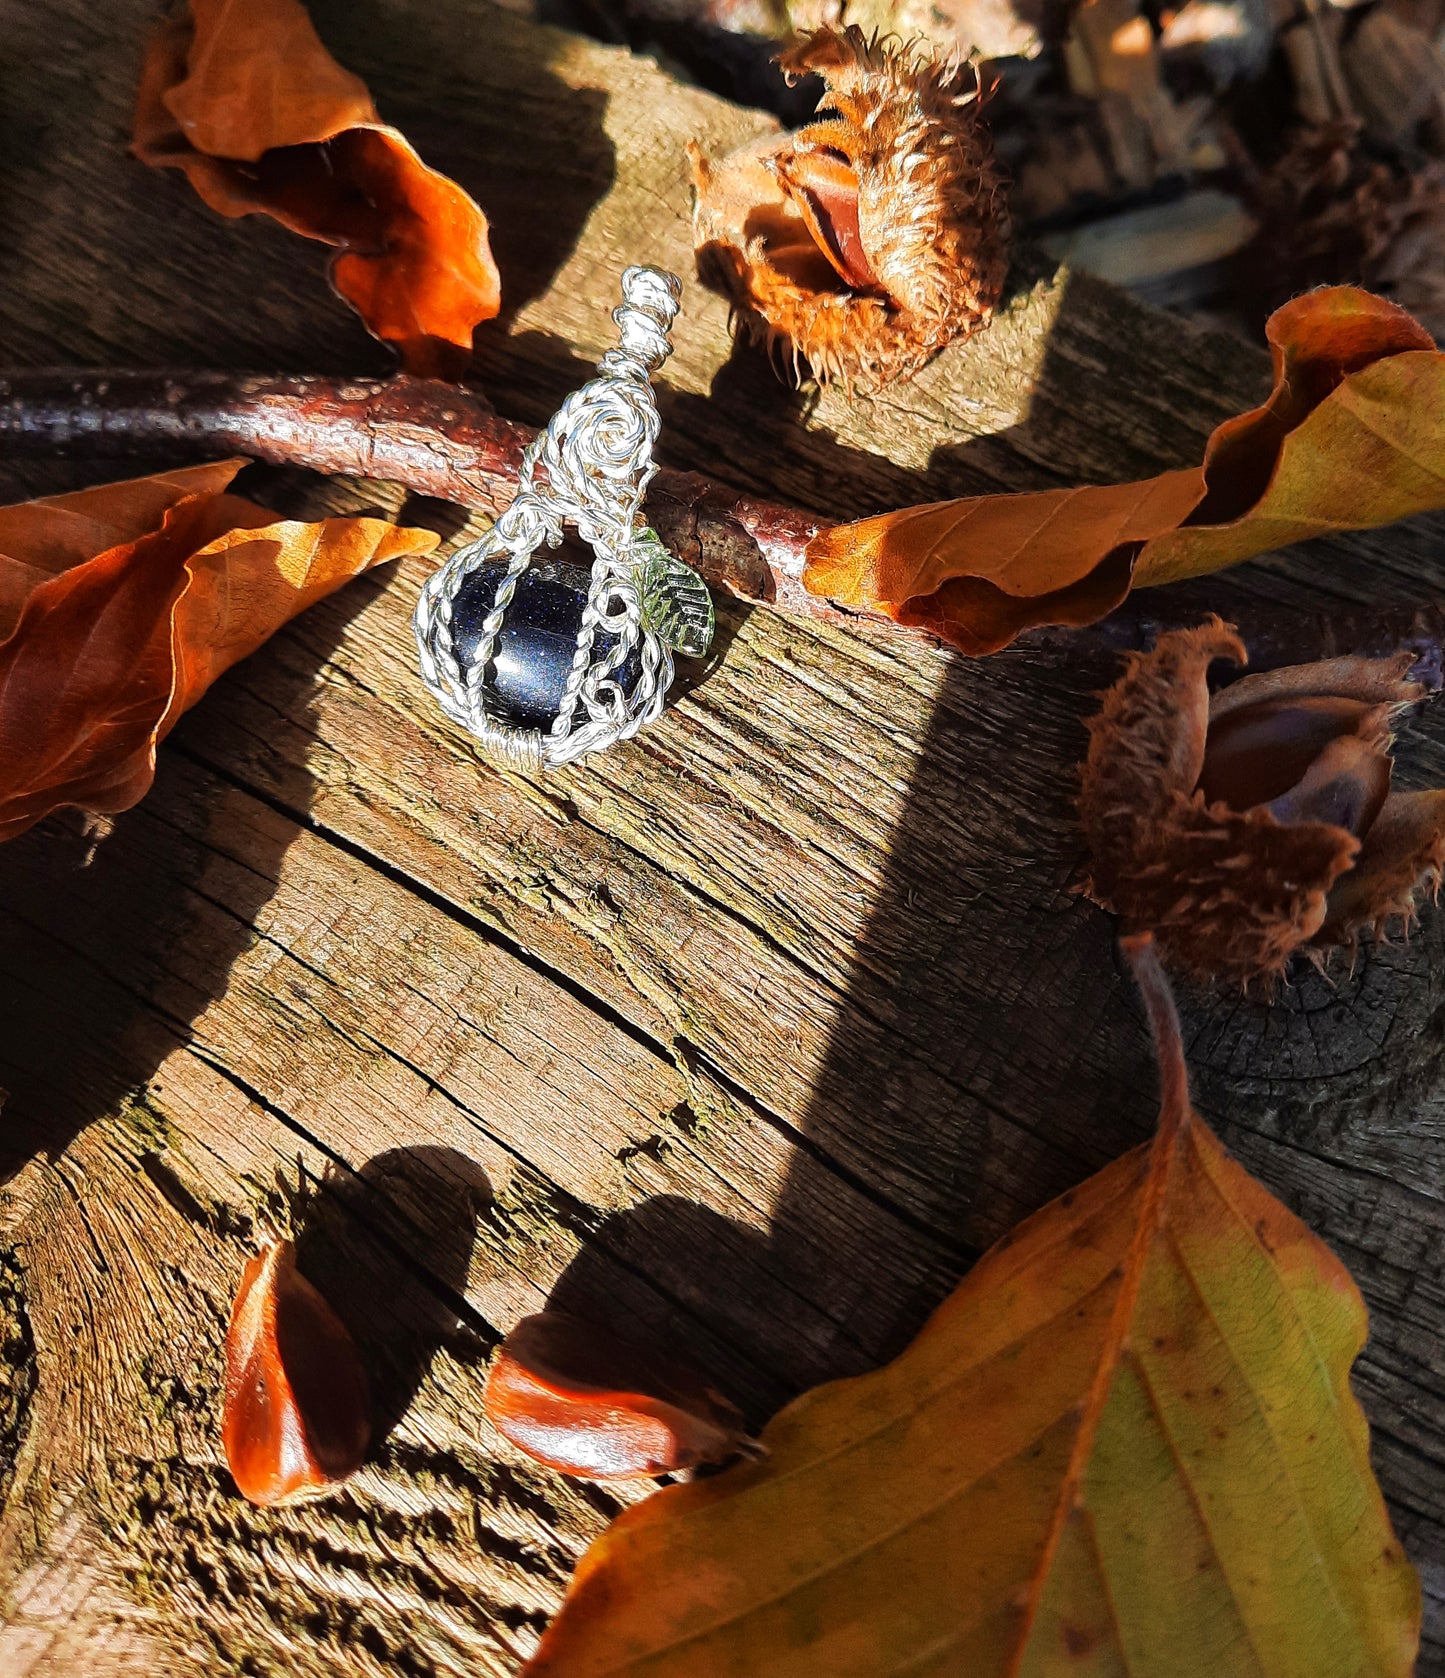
(1352, 436)
(1369, 454)
(1126, 1446)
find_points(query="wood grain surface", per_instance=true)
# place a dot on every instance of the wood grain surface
(749, 1036)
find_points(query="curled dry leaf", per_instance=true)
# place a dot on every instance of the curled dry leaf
(1127, 1443)
(297, 1414)
(1351, 437)
(584, 1402)
(873, 236)
(106, 649)
(1242, 828)
(247, 101)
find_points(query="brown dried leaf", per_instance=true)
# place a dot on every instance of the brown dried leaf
(1059, 556)
(40, 539)
(109, 648)
(872, 236)
(248, 102)
(1351, 437)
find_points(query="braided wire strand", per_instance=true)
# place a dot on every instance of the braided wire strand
(589, 468)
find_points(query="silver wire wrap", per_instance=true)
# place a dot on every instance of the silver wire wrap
(589, 468)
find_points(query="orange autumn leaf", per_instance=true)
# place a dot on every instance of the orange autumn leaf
(1352, 436)
(40, 539)
(249, 103)
(1126, 1444)
(106, 649)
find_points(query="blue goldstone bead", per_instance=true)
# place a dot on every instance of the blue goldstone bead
(533, 658)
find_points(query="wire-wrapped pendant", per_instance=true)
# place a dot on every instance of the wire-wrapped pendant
(542, 659)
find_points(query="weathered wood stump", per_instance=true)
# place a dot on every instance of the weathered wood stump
(749, 1036)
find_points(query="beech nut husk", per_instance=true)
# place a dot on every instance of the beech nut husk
(1243, 828)
(586, 1403)
(297, 1414)
(873, 236)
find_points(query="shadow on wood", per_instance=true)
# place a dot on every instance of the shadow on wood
(990, 1053)
(389, 1248)
(421, 61)
(76, 1042)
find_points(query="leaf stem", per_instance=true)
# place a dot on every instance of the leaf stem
(1175, 1113)
(1175, 1109)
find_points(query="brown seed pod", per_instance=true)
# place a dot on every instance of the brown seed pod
(297, 1414)
(1243, 828)
(873, 236)
(586, 1403)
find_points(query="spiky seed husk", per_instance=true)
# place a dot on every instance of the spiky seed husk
(1234, 893)
(876, 234)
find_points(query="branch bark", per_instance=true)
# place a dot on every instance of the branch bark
(443, 440)
(436, 439)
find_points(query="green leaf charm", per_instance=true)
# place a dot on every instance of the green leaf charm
(676, 605)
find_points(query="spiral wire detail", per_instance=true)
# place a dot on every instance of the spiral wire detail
(589, 468)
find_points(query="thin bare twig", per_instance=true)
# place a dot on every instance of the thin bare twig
(436, 439)
(441, 440)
